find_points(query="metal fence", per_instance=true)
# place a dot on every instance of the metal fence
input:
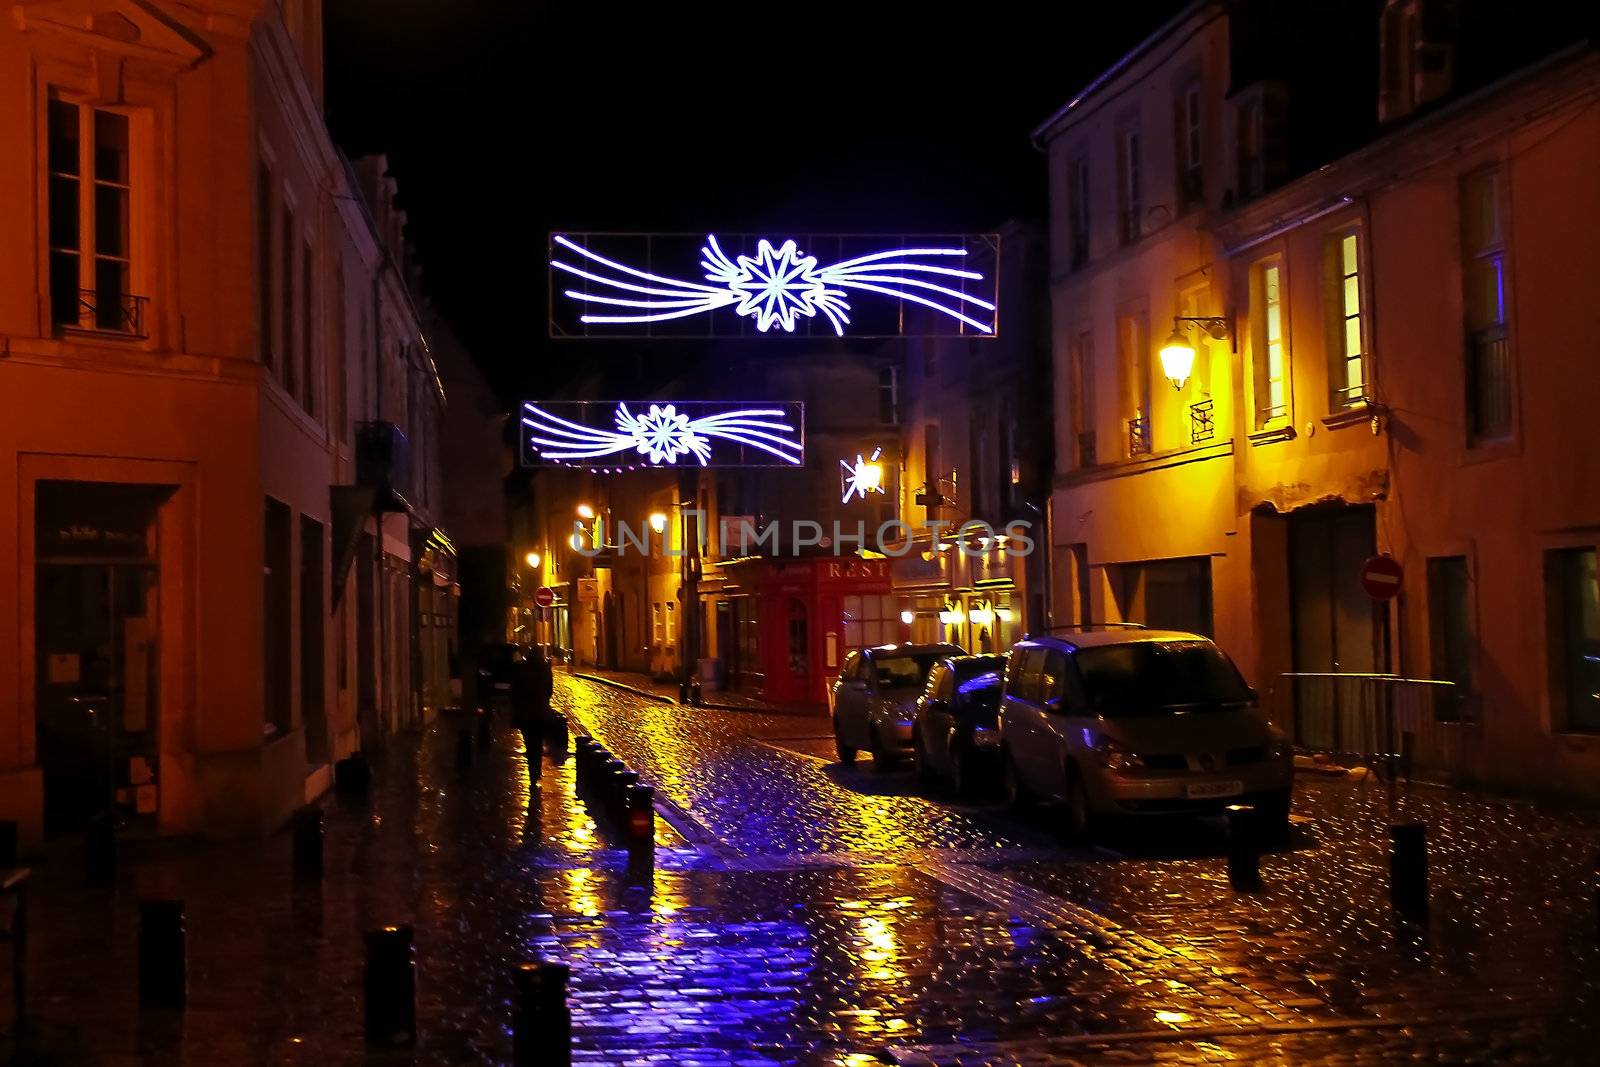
(1403, 727)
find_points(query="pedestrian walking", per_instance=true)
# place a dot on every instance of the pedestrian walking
(532, 685)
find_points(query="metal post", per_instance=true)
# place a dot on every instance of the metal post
(541, 1024)
(1408, 868)
(308, 827)
(641, 825)
(163, 962)
(617, 806)
(390, 987)
(1244, 848)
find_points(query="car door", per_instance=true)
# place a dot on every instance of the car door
(1058, 725)
(849, 702)
(941, 689)
(1019, 729)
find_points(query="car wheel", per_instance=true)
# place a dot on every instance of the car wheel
(846, 753)
(1017, 798)
(919, 757)
(1080, 818)
(883, 758)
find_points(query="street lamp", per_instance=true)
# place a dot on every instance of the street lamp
(585, 511)
(1177, 353)
(658, 521)
(532, 559)
(576, 541)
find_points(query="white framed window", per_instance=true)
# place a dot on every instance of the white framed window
(672, 625)
(1191, 181)
(1271, 344)
(1485, 303)
(90, 207)
(658, 630)
(1130, 206)
(1348, 370)
(1077, 212)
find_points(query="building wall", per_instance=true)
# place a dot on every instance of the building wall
(182, 397)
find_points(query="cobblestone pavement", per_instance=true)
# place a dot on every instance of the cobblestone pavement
(814, 914)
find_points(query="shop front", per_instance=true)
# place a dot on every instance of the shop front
(973, 599)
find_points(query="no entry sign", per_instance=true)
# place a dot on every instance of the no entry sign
(1380, 577)
(545, 597)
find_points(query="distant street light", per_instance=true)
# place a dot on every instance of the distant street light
(532, 559)
(658, 521)
(585, 511)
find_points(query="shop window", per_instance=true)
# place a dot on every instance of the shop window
(870, 620)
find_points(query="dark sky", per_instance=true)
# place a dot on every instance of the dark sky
(505, 120)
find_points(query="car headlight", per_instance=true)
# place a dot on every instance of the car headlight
(1115, 757)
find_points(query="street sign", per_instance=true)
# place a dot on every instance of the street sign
(545, 597)
(1380, 577)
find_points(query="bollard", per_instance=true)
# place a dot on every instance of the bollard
(695, 697)
(485, 729)
(8, 844)
(352, 776)
(683, 692)
(617, 803)
(390, 987)
(308, 826)
(463, 749)
(100, 849)
(580, 761)
(1244, 848)
(558, 736)
(541, 1023)
(605, 782)
(1408, 868)
(641, 825)
(163, 961)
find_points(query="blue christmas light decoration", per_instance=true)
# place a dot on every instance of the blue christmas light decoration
(778, 286)
(662, 434)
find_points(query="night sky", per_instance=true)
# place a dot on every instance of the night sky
(506, 120)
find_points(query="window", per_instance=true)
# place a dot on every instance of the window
(90, 213)
(1134, 356)
(889, 395)
(672, 625)
(1252, 153)
(1081, 356)
(1130, 210)
(1572, 604)
(1150, 677)
(1077, 212)
(336, 349)
(1270, 341)
(1450, 620)
(288, 357)
(659, 624)
(264, 202)
(1191, 184)
(870, 620)
(1022, 673)
(312, 398)
(1348, 344)
(1170, 594)
(1484, 303)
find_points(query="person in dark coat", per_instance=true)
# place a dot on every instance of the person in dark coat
(533, 683)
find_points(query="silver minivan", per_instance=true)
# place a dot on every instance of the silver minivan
(876, 696)
(1118, 722)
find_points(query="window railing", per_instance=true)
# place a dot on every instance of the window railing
(1086, 449)
(1489, 382)
(1202, 424)
(1138, 436)
(109, 312)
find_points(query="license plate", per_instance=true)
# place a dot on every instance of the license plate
(1203, 790)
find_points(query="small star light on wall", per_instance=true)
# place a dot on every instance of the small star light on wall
(863, 476)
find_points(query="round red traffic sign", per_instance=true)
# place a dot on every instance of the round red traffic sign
(545, 597)
(1380, 577)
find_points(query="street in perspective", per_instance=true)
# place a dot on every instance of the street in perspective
(1072, 542)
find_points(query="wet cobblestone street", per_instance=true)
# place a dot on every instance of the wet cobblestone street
(812, 913)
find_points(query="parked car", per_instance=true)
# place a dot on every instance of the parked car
(955, 732)
(875, 696)
(1138, 723)
(496, 664)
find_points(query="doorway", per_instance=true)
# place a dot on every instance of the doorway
(1337, 628)
(96, 618)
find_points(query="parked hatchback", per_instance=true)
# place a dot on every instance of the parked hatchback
(875, 697)
(1131, 722)
(955, 733)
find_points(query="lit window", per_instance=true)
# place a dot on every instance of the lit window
(1349, 370)
(1272, 398)
(90, 211)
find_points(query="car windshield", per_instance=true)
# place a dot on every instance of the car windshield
(904, 671)
(1149, 676)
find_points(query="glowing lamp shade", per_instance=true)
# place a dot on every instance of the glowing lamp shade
(952, 616)
(908, 617)
(585, 511)
(982, 616)
(576, 541)
(658, 521)
(1177, 359)
(532, 560)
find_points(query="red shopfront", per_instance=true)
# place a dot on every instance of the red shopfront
(807, 614)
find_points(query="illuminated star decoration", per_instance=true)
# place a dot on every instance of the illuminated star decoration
(861, 477)
(662, 434)
(778, 285)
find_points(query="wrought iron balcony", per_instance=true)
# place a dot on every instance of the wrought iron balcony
(1138, 436)
(108, 312)
(1202, 426)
